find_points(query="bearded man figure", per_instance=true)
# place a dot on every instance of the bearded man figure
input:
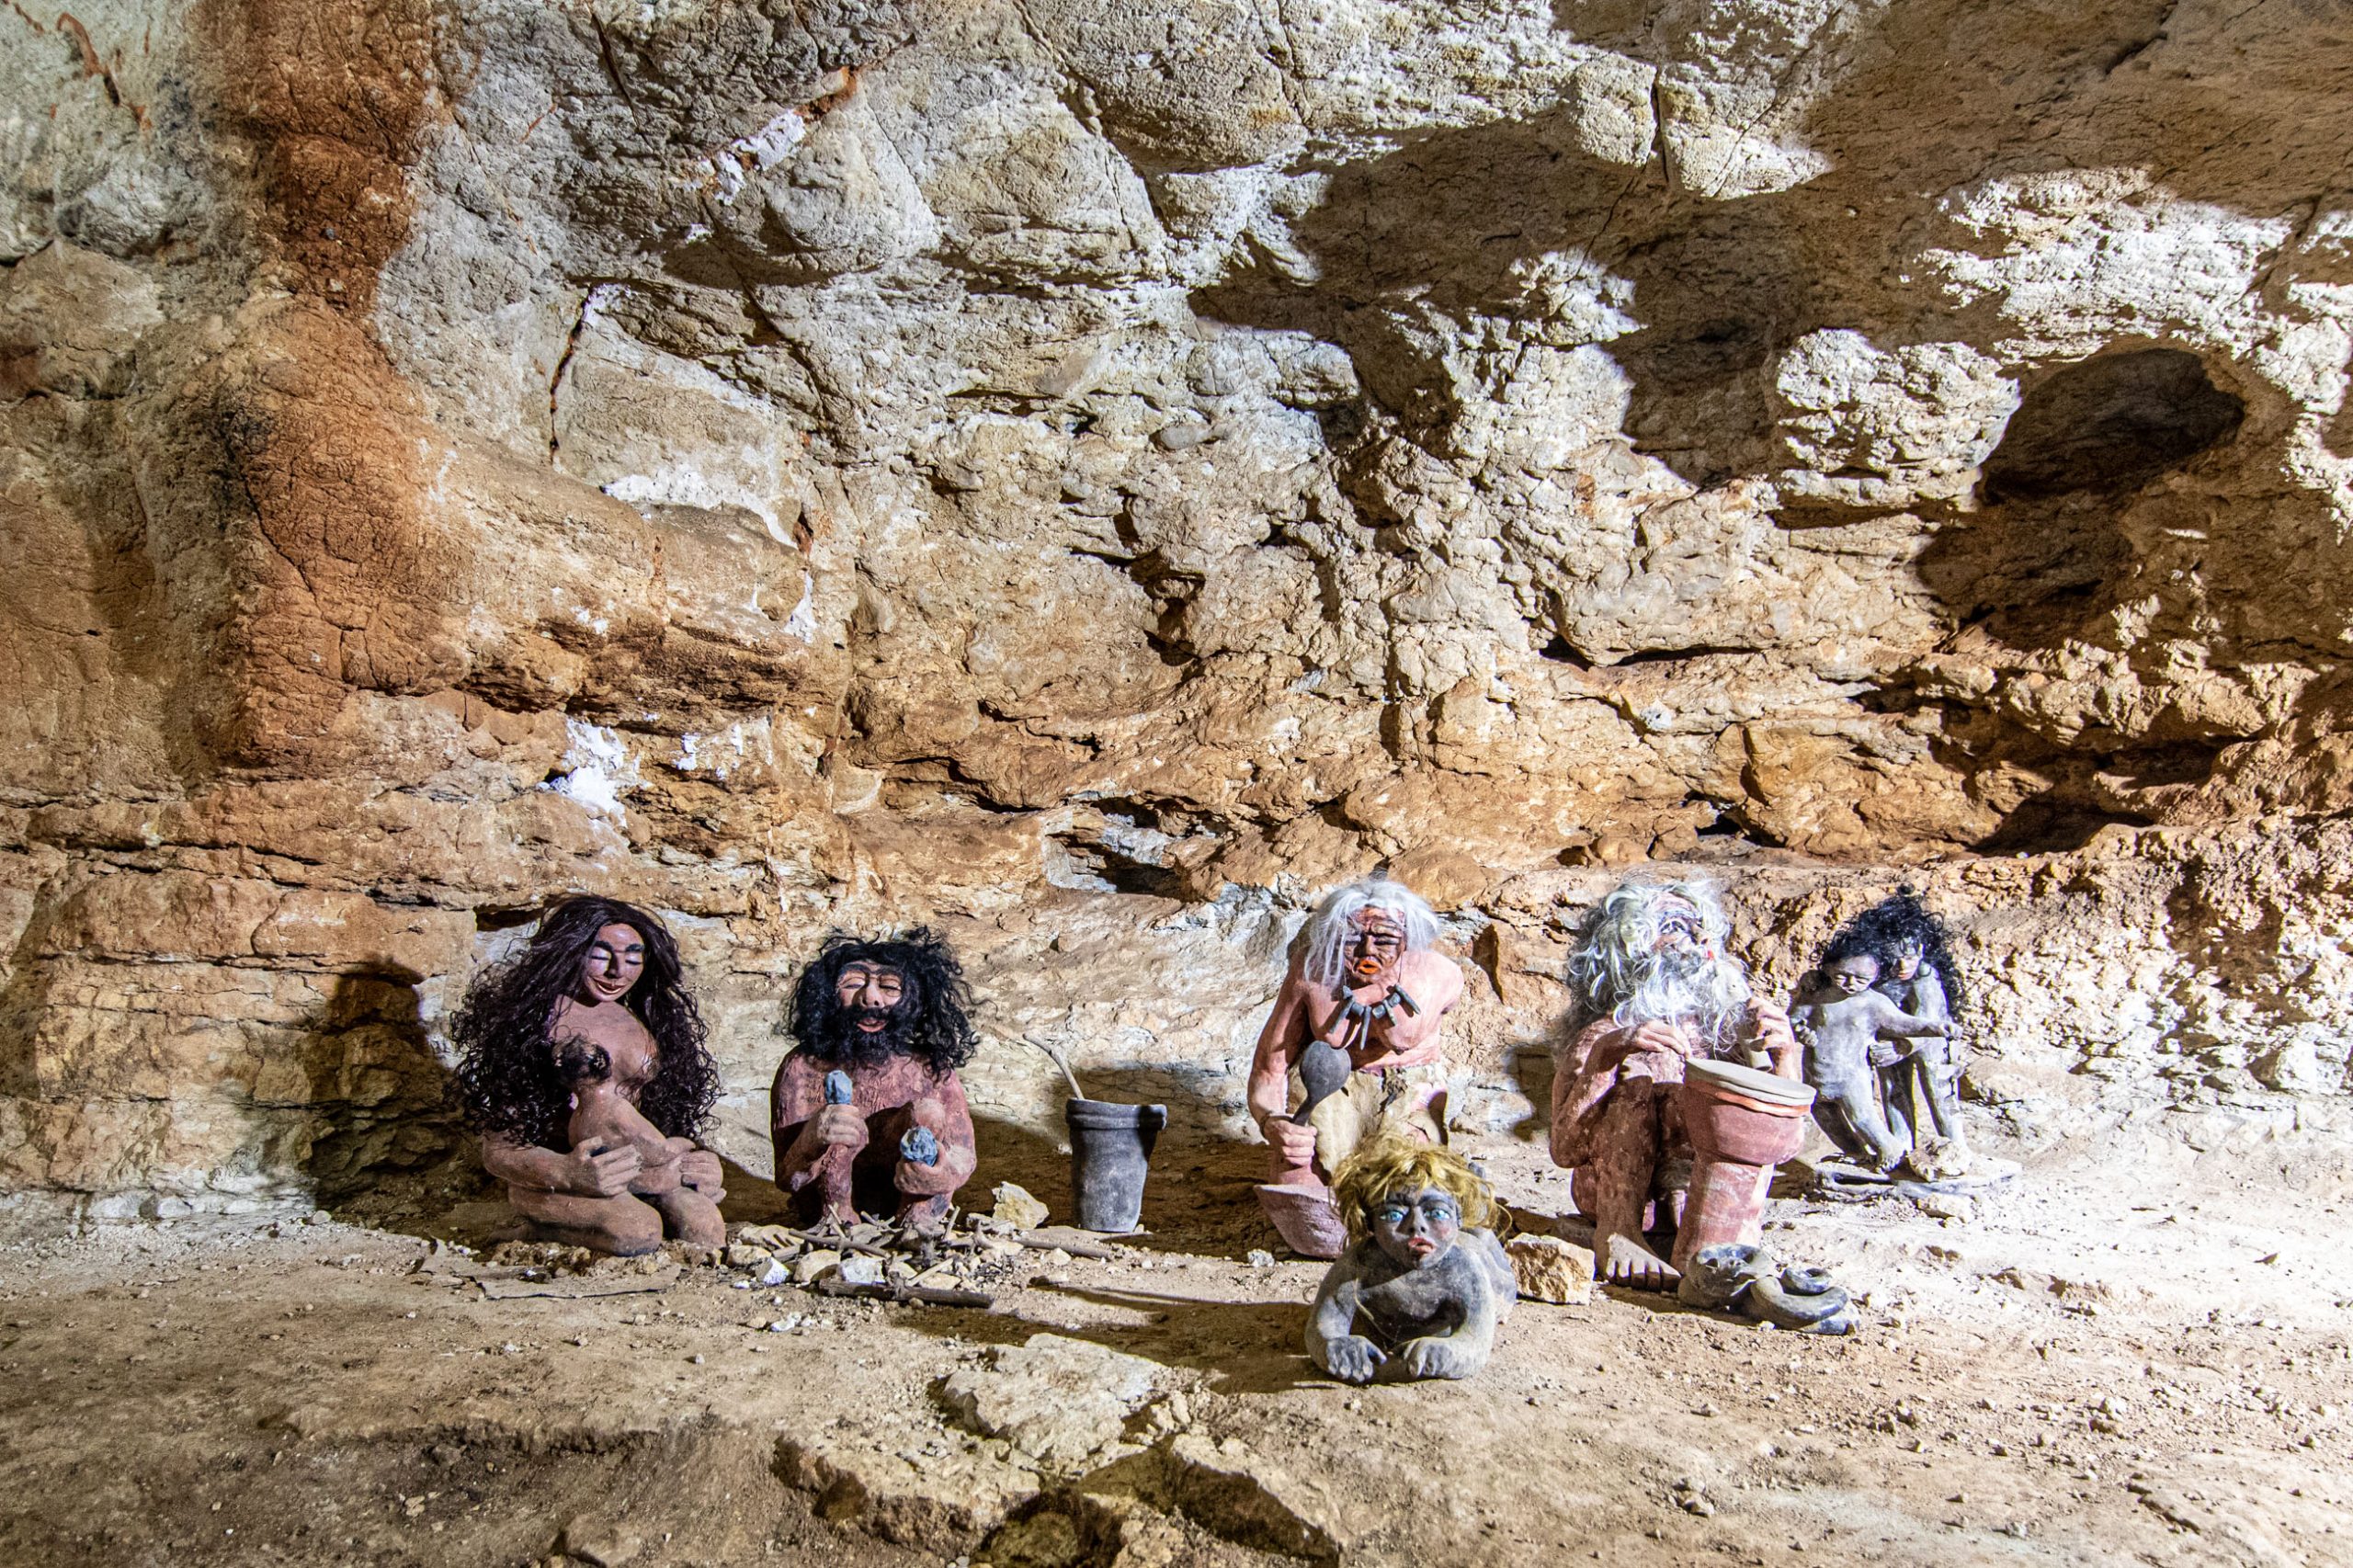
(1652, 990)
(581, 1064)
(1357, 1024)
(867, 1113)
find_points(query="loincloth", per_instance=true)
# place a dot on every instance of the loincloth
(1393, 1100)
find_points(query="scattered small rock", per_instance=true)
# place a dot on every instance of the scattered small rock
(601, 1544)
(1018, 1208)
(1056, 1400)
(1550, 1269)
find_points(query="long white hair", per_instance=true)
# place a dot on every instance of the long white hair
(1618, 971)
(1325, 962)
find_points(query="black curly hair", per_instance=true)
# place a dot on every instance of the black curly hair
(1888, 926)
(512, 1077)
(1852, 941)
(933, 1018)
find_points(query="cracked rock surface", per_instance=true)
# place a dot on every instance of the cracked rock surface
(1093, 475)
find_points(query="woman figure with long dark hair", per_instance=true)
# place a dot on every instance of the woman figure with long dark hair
(555, 1045)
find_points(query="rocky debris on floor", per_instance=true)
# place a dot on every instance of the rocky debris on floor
(875, 1253)
(1016, 1206)
(957, 1265)
(1242, 1495)
(1692, 1496)
(1550, 1269)
(516, 1269)
(941, 1499)
(600, 1543)
(1061, 1403)
(1144, 1506)
(1169, 1508)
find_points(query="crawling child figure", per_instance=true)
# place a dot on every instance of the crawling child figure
(1424, 1282)
(599, 1110)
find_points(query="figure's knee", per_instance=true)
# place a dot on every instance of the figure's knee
(631, 1229)
(1636, 1102)
(1631, 1125)
(695, 1219)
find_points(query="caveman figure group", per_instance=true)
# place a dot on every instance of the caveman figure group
(581, 1065)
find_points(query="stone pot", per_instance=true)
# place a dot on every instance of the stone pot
(1110, 1147)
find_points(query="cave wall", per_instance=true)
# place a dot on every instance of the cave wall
(1095, 474)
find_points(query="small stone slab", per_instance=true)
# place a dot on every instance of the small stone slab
(599, 1543)
(945, 1506)
(1058, 1401)
(1016, 1206)
(1550, 1269)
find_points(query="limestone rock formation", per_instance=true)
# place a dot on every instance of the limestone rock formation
(1094, 474)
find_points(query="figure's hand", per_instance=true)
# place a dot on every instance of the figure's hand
(1658, 1035)
(1294, 1142)
(700, 1169)
(596, 1170)
(1352, 1359)
(1882, 1054)
(1769, 1027)
(840, 1126)
(920, 1147)
(1435, 1358)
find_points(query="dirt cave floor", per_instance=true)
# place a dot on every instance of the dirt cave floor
(2090, 1367)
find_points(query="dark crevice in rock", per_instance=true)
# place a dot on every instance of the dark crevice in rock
(1676, 655)
(1561, 650)
(2111, 423)
(1076, 860)
(2044, 826)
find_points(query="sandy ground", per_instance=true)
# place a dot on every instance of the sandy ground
(2150, 1367)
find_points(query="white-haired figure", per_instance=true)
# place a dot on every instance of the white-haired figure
(1653, 988)
(1367, 982)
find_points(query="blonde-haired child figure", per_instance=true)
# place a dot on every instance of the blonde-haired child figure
(1424, 1282)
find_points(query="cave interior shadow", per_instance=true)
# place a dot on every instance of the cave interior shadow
(386, 1139)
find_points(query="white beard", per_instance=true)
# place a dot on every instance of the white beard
(1709, 994)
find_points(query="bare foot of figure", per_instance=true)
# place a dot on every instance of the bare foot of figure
(1622, 1259)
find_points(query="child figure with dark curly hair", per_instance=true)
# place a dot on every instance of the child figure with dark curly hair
(1851, 1033)
(1916, 971)
(1425, 1282)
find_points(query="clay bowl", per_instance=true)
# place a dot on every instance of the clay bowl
(1744, 1115)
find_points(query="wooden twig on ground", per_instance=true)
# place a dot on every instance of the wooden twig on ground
(1048, 1243)
(922, 1295)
